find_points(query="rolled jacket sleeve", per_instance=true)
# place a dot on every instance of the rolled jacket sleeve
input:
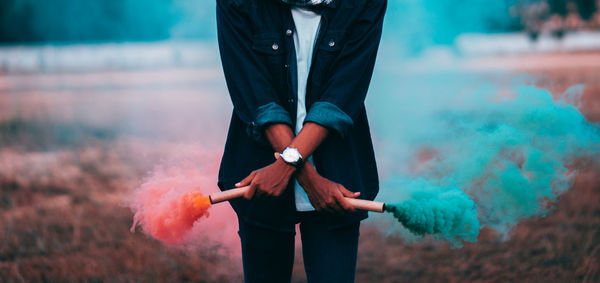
(249, 82)
(270, 113)
(346, 87)
(329, 115)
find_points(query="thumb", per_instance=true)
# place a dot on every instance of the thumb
(346, 193)
(246, 181)
(277, 154)
(342, 201)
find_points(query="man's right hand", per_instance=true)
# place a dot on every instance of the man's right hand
(324, 194)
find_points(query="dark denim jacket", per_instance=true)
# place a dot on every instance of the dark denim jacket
(259, 62)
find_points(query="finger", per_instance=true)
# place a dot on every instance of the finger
(246, 181)
(346, 206)
(346, 193)
(250, 192)
(277, 154)
(335, 206)
(343, 203)
(260, 194)
(321, 206)
(337, 209)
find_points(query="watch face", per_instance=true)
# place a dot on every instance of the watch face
(291, 155)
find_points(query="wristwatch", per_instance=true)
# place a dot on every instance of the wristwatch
(292, 156)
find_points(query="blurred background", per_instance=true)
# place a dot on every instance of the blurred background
(95, 93)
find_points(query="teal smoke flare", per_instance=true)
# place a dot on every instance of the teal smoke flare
(451, 215)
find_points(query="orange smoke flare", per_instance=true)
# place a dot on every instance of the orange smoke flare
(198, 202)
(170, 225)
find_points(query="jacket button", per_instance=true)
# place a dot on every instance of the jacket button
(286, 66)
(275, 46)
(332, 43)
(289, 32)
(291, 100)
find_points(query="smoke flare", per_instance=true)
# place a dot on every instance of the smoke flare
(450, 215)
(166, 216)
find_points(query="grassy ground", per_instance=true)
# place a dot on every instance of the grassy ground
(73, 147)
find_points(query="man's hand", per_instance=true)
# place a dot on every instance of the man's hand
(268, 181)
(324, 194)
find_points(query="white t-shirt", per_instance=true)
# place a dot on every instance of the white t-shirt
(307, 26)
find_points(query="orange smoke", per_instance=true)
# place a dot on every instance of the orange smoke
(170, 202)
(169, 219)
(198, 202)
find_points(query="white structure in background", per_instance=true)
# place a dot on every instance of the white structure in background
(520, 43)
(106, 56)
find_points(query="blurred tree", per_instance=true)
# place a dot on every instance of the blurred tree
(587, 8)
(90, 20)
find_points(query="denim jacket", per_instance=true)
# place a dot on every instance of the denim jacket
(259, 62)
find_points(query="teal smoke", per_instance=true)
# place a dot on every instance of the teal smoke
(451, 214)
(493, 164)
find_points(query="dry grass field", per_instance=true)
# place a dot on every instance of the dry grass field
(73, 146)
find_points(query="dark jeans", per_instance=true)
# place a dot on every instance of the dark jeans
(329, 254)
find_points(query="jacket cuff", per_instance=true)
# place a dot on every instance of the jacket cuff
(329, 115)
(270, 113)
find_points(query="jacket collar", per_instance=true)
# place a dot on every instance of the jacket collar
(314, 4)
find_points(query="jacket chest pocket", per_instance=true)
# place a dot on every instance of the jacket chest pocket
(271, 51)
(328, 50)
